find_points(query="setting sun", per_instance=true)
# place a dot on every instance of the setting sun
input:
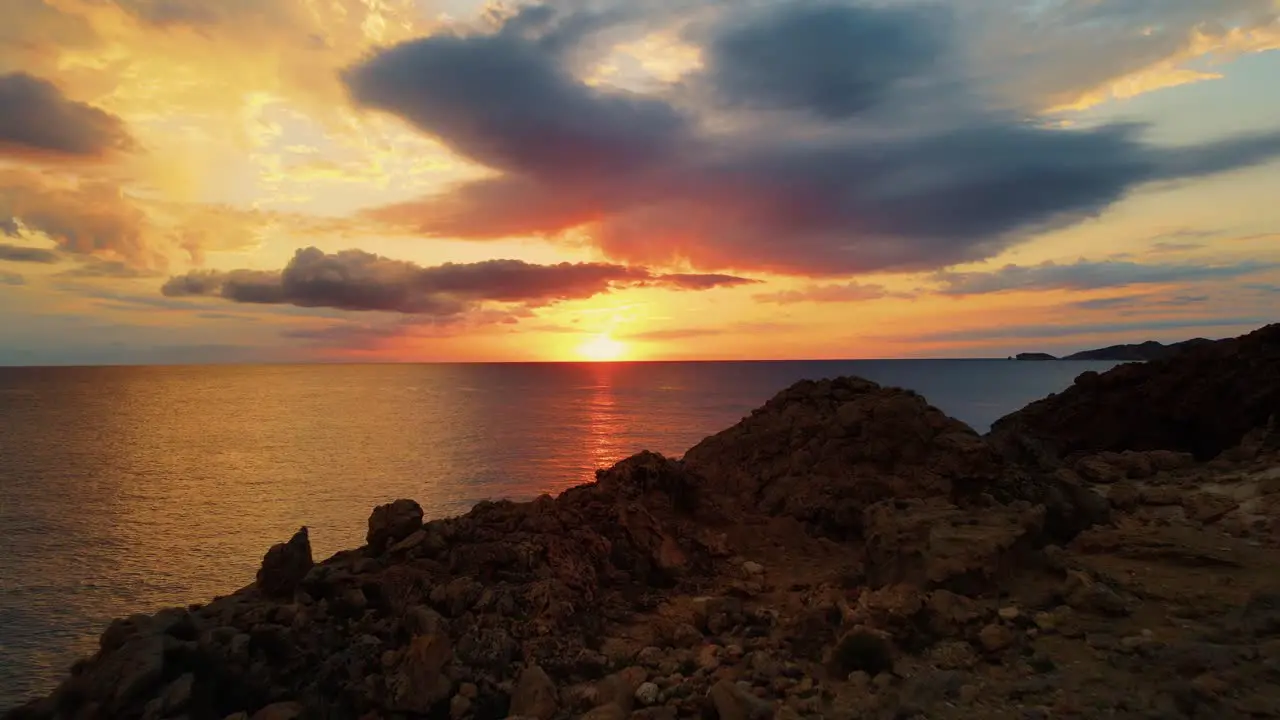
(602, 348)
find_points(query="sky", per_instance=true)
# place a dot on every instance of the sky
(183, 181)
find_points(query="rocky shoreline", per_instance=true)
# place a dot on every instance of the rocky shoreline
(846, 551)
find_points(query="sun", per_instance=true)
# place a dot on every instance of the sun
(602, 348)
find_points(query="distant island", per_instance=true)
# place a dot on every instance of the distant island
(1149, 350)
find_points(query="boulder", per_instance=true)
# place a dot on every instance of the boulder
(420, 683)
(285, 565)
(393, 522)
(534, 695)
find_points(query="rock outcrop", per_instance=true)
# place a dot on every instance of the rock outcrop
(285, 566)
(1201, 401)
(846, 551)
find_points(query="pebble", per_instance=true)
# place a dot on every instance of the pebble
(647, 694)
(1009, 614)
(752, 568)
(995, 638)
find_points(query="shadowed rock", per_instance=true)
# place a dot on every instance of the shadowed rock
(1202, 401)
(392, 523)
(285, 565)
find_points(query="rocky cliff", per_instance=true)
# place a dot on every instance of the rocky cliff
(1202, 401)
(845, 551)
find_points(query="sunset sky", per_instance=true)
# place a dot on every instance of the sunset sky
(432, 180)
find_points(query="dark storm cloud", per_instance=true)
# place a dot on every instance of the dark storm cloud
(1086, 275)
(830, 59)
(885, 157)
(36, 118)
(505, 101)
(357, 280)
(19, 253)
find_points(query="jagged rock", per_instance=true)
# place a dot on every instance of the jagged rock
(285, 565)
(420, 681)
(535, 695)
(392, 523)
(824, 451)
(1202, 401)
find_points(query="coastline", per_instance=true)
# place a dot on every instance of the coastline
(845, 551)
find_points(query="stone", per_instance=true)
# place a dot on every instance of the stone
(1124, 496)
(647, 694)
(1088, 595)
(995, 638)
(177, 695)
(1008, 614)
(420, 681)
(732, 702)
(392, 523)
(608, 711)
(709, 657)
(285, 565)
(1097, 470)
(409, 543)
(751, 568)
(459, 706)
(535, 695)
(131, 671)
(1207, 507)
(279, 711)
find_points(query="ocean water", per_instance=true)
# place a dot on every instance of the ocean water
(131, 489)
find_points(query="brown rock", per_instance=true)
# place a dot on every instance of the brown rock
(733, 703)
(1124, 496)
(534, 695)
(995, 638)
(279, 711)
(420, 682)
(933, 543)
(392, 523)
(1095, 469)
(285, 565)
(1207, 507)
(610, 711)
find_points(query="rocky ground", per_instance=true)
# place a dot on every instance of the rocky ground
(847, 551)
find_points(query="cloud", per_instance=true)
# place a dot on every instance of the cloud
(360, 281)
(11, 278)
(846, 292)
(1079, 53)
(1138, 302)
(19, 253)
(1088, 275)
(829, 59)
(85, 217)
(892, 159)
(674, 333)
(93, 267)
(37, 119)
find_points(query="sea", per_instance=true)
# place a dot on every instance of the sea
(130, 489)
